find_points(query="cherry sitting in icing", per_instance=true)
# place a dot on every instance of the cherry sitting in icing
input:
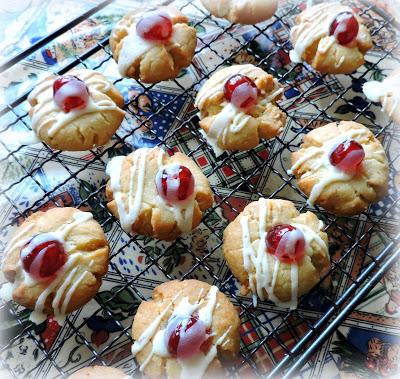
(186, 337)
(344, 27)
(241, 91)
(347, 156)
(69, 92)
(42, 256)
(287, 243)
(154, 26)
(175, 183)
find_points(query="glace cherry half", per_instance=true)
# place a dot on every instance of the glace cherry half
(175, 183)
(287, 243)
(154, 26)
(347, 156)
(42, 256)
(241, 91)
(186, 337)
(344, 27)
(69, 92)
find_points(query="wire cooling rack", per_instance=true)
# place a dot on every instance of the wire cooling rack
(275, 341)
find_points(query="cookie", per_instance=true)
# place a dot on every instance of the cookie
(238, 107)
(99, 372)
(341, 167)
(331, 38)
(77, 111)
(275, 252)
(387, 93)
(55, 262)
(242, 11)
(185, 330)
(155, 194)
(153, 46)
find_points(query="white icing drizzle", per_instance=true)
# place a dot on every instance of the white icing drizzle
(256, 263)
(332, 174)
(383, 91)
(183, 211)
(65, 281)
(315, 26)
(190, 368)
(47, 109)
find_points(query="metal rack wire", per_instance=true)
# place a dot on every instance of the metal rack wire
(265, 348)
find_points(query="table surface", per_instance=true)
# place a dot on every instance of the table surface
(366, 345)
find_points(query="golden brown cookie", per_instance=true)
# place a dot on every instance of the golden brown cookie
(387, 93)
(99, 372)
(205, 321)
(227, 127)
(77, 111)
(322, 178)
(317, 43)
(242, 11)
(55, 262)
(143, 206)
(149, 60)
(279, 269)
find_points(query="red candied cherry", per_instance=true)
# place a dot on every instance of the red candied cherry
(185, 337)
(175, 183)
(154, 26)
(241, 91)
(42, 256)
(344, 27)
(287, 243)
(69, 92)
(347, 156)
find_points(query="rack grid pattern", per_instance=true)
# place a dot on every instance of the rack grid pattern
(275, 341)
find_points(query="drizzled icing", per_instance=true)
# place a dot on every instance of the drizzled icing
(230, 119)
(64, 284)
(315, 24)
(129, 204)
(332, 173)
(46, 112)
(258, 263)
(385, 91)
(196, 366)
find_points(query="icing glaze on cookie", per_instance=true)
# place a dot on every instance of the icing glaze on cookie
(315, 25)
(66, 280)
(129, 210)
(257, 261)
(386, 92)
(333, 174)
(46, 112)
(196, 366)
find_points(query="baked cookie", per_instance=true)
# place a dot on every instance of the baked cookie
(238, 107)
(155, 194)
(55, 262)
(275, 252)
(77, 111)
(242, 11)
(153, 46)
(387, 93)
(185, 330)
(331, 38)
(99, 372)
(341, 167)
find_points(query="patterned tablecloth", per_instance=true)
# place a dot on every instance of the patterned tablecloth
(366, 345)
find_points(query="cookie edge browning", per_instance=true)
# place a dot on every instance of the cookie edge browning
(87, 288)
(162, 295)
(147, 222)
(233, 250)
(329, 199)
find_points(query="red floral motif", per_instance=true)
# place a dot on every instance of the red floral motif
(49, 335)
